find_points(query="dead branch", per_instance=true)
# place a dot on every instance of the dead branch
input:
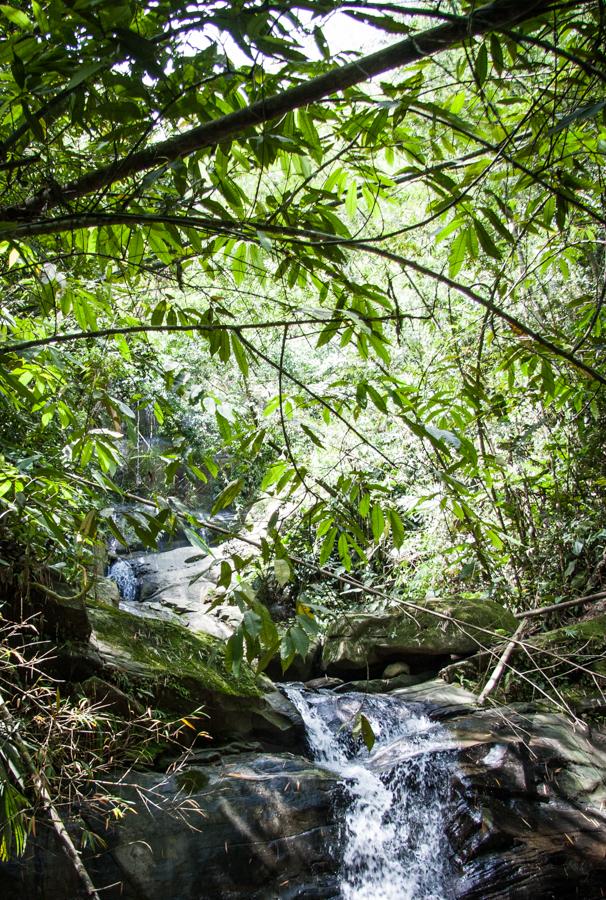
(42, 794)
(500, 667)
(555, 607)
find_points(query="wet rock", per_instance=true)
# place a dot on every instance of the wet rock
(527, 818)
(253, 826)
(383, 685)
(442, 700)
(326, 683)
(64, 615)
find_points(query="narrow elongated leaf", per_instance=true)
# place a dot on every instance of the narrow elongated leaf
(377, 521)
(227, 495)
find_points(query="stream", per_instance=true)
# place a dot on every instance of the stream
(453, 802)
(393, 842)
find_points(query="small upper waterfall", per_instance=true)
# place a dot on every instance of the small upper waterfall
(394, 846)
(123, 573)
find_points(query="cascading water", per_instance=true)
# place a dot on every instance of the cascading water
(394, 846)
(123, 573)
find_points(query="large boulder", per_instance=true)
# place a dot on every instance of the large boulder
(527, 818)
(253, 826)
(179, 672)
(435, 630)
(182, 581)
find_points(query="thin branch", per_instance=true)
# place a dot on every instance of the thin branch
(556, 607)
(194, 327)
(497, 15)
(499, 670)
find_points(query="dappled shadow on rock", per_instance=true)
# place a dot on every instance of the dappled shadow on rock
(256, 826)
(528, 816)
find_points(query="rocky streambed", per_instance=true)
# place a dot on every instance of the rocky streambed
(283, 799)
(452, 802)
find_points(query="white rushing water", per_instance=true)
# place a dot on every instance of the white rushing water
(394, 846)
(123, 573)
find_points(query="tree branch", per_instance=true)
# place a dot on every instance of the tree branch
(194, 327)
(492, 17)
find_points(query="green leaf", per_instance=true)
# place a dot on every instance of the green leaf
(364, 505)
(351, 201)
(380, 348)
(458, 253)
(368, 734)
(486, 242)
(158, 413)
(196, 540)
(83, 73)
(300, 640)
(238, 263)
(362, 728)
(274, 474)
(481, 65)
(159, 312)
(327, 545)
(227, 495)
(282, 571)
(240, 354)
(312, 436)
(377, 521)
(343, 548)
(497, 53)
(327, 333)
(226, 575)
(397, 528)
(16, 16)
(234, 652)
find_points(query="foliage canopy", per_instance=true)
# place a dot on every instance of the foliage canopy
(432, 211)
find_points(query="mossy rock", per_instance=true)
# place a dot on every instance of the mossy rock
(177, 672)
(582, 644)
(165, 650)
(105, 590)
(357, 641)
(587, 637)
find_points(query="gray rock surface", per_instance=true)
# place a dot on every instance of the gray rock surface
(182, 581)
(436, 630)
(253, 826)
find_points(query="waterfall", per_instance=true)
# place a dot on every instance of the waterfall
(394, 846)
(123, 573)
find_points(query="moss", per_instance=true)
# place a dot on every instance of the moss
(360, 639)
(587, 637)
(168, 651)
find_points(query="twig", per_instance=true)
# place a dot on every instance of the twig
(500, 667)
(554, 607)
(42, 793)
